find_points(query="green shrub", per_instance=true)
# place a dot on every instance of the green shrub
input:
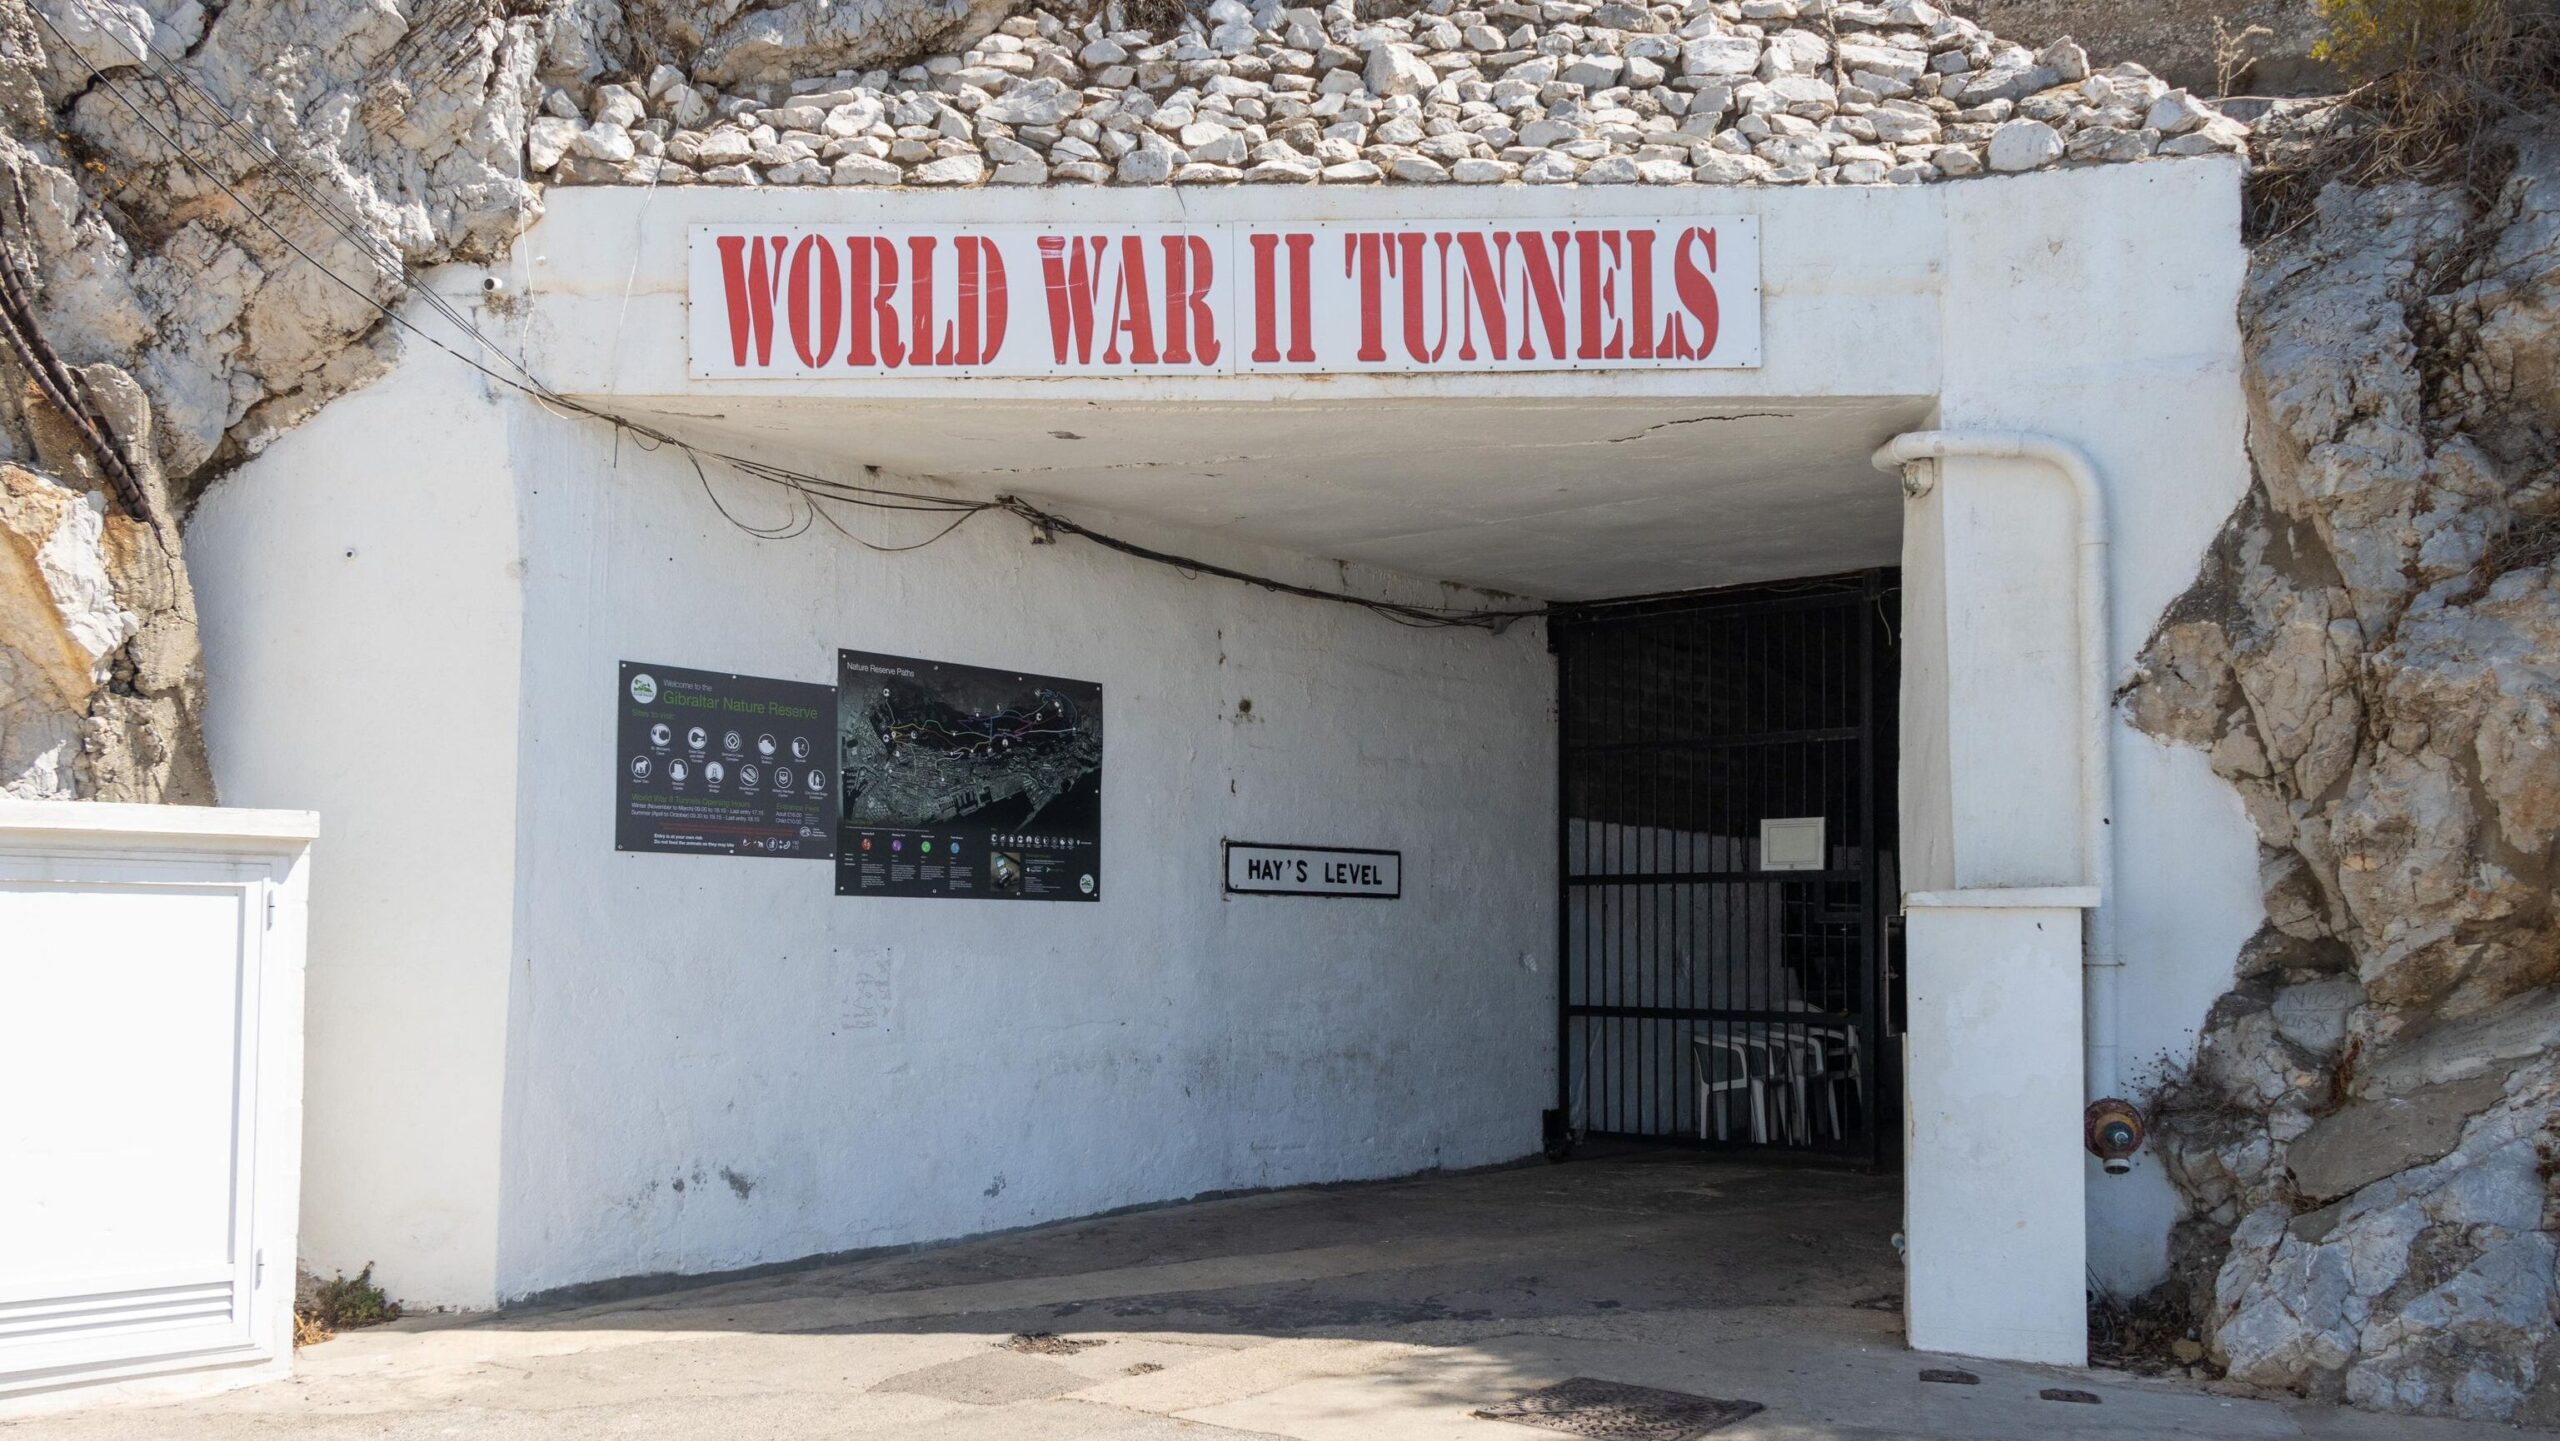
(343, 1303)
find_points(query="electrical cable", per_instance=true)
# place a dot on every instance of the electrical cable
(1423, 616)
(808, 488)
(59, 385)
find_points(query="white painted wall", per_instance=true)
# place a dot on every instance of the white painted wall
(360, 606)
(717, 1062)
(708, 1062)
(2101, 306)
(1990, 1141)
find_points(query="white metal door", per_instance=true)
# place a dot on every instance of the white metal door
(129, 1006)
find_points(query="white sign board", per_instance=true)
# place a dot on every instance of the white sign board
(802, 302)
(1793, 843)
(1254, 869)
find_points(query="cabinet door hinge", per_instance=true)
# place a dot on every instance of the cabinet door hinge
(271, 910)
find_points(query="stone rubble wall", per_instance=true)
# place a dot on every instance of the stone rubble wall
(1714, 92)
(2369, 1136)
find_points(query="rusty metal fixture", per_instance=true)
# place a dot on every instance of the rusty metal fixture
(2113, 1131)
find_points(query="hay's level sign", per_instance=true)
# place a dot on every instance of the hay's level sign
(831, 301)
(1254, 869)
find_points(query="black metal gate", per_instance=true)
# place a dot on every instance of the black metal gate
(1726, 843)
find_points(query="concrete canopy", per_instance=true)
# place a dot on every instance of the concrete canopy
(1558, 500)
(1555, 485)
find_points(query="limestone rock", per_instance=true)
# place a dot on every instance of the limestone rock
(2368, 656)
(1395, 70)
(2314, 1014)
(780, 42)
(2365, 1141)
(2024, 145)
(1034, 102)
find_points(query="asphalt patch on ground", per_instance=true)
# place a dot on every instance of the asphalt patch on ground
(1616, 1411)
(1049, 1343)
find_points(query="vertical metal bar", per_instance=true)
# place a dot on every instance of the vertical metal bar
(1871, 939)
(1613, 688)
(1639, 858)
(1560, 639)
(1746, 768)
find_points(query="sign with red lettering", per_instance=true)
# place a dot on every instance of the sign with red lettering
(821, 301)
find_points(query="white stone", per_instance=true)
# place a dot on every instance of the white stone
(2024, 145)
(864, 170)
(619, 105)
(687, 107)
(1897, 126)
(1956, 161)
(1718, 168)
(548, 138)
(1594, 72)
(1549, 168)
(2177, 112)
(950, 170)
(1720, 56)
(1397, 70)
(1890, 61)
(603, 141)
(1282, 171)
(2066, 59)
(1147, 165)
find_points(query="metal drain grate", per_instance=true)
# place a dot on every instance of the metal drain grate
(1615, 1411)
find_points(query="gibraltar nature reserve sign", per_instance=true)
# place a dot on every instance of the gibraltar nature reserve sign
(799, 302)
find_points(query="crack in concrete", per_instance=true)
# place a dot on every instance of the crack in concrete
(1703, 420)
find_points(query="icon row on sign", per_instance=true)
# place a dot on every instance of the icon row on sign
(922, 845)
(715, 773)
(698, 740)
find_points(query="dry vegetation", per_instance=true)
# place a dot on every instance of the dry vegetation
(2434, 82)
(322, 1309)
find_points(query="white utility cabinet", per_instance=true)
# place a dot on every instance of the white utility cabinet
(150, 1094)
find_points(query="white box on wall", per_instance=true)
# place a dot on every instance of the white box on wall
(150, 1096)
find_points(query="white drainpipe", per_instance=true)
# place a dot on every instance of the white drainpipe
(1915, 456)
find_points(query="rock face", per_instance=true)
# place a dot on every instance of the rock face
(1720, 92)
(163, 161)
(2372, 656)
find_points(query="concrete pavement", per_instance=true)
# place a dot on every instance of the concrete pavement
(1386, 1312)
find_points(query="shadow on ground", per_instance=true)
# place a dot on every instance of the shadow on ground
(1377, 1312)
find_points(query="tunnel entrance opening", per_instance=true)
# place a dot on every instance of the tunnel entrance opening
(1727, 852)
